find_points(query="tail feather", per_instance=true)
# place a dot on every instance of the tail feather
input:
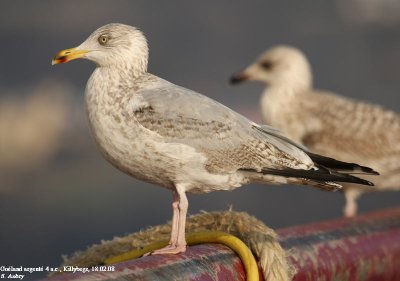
(321, 175)
(326, 185)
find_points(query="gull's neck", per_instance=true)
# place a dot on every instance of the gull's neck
(288, 88)
(127, 71)
(278, 98)
(116, 76)
(281, 92)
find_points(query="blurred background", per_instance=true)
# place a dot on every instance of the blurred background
(59, 195)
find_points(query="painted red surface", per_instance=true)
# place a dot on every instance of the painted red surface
(364, 248)
(206, 262)
(324, 226)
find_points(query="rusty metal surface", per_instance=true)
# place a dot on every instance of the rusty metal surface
(363, 248)
(207, 262)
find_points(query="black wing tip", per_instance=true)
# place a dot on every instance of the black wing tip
(358, 169)
(341, 165)
(364, 182)
(343, 178)
(364, 169)
(322, 175)
(369, 171)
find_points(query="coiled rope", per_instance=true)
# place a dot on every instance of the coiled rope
(261, 239)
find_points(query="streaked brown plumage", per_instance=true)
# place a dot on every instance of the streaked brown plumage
(327, 123)
(179, 139)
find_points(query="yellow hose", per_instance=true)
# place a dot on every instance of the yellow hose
(234, 243)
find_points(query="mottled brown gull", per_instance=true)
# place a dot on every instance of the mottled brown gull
(181, 140)
(325, 122)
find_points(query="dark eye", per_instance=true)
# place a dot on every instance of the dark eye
(103, 39)
(266, 64)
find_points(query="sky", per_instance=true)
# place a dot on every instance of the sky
(59, 195)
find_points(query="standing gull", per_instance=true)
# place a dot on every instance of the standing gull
(181, 140)
(326, 123)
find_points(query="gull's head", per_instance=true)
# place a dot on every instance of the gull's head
(279, 66)
(113, 44)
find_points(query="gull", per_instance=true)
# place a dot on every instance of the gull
(178, 139)
(325, 122)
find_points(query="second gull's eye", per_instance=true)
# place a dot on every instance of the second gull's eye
(266, 64)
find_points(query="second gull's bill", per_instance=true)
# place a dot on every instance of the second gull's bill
(176, 138)
(325, 122)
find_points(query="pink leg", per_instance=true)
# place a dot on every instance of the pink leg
(178, 241)
(183, 207)
(351, 195)
(175, 218)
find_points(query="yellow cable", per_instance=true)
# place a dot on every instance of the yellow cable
(234, 243)
(244, 253)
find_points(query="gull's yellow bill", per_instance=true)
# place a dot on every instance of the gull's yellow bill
(68, 55)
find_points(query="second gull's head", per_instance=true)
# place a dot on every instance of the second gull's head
(279, 66)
